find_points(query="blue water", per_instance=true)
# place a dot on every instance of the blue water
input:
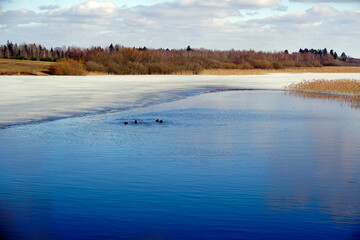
(228, 165)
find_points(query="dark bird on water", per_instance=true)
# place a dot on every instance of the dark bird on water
(136, 121)
(126, 123)
(161, 121)
(157, 120)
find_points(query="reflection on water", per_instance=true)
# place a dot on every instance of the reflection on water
(229, 165)
(352, 101)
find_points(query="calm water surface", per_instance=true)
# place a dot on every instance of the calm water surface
(229, 165)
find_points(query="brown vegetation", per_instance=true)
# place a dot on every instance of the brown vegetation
(124, 60)
(344, 90)
(40, 68)
(340, 86)
(67, 67)
(21, 67)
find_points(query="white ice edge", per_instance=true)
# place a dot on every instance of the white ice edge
(35, 98)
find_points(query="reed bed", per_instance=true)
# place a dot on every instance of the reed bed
(346, 91)
(340, 86)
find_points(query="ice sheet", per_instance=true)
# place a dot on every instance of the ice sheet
(35, 98)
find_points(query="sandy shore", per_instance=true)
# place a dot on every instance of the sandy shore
(35, 98)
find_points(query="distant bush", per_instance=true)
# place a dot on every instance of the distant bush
(195, 68)
(332, 63)
(278, 65)
(139, 68)
(49, 59)
(18, 57)
(93, 66)
(67, 67)
(246, 65)
(263, 64)
(229, 65)
(158, 68)
(291, 64)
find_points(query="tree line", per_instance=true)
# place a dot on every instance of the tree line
(117, 59)
(324, 52)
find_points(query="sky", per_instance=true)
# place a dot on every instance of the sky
(261, 25)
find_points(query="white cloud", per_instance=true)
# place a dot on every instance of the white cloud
(48, 7)
(281, 8)
(90, 12)
(93, 8)
(175, 13)
(186, 22)
(31, 24)
(314, 1)
(323, 10)
(239, 4)
(21, 16)
(181, 12)
(87, 9)
(318, 27)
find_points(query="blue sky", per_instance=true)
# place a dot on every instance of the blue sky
(267, 25)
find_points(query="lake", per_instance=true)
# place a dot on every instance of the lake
(225, 165)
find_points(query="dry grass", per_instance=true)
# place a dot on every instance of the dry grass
(342, 69)
(341, 86)
(97, 73)
(344, 90)
(183, 73)
(24, 67)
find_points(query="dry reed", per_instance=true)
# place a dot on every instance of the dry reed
(346, 91)
(340, 86)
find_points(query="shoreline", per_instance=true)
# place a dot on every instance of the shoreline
(26, 99)
(14, 67)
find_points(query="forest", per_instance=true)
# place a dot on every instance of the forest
(117, 59)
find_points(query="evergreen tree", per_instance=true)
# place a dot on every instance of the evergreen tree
(335, 55)
(324, 51)
(111, 48)
(343, 57)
